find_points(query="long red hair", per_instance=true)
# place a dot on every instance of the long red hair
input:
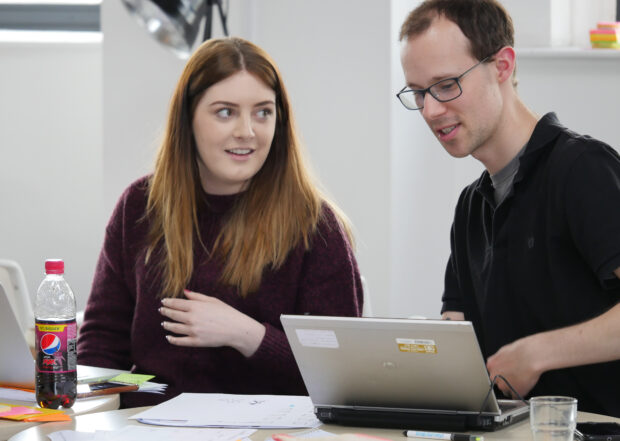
(280, 208)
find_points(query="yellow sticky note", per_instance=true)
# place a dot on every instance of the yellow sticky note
(132, 378)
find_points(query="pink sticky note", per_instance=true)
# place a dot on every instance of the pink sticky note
(19, 410)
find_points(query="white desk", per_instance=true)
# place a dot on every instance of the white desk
(116, 419)
(81, 406)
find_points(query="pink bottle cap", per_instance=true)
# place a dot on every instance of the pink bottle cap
(54, 266)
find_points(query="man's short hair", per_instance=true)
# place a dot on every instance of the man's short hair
(485, 23)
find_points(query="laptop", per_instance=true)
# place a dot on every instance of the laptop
(397, 373)
(17, 366)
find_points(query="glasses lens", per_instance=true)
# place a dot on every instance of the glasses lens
(446, 90)
(411, 100)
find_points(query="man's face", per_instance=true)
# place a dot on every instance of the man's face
(467, 123)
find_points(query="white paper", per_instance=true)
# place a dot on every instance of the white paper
(6, 393)
(314, 433)
(155, 388)
(224, 410)
(136, 433)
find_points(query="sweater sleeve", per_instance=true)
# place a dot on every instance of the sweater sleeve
(104, 338)
(330, 285)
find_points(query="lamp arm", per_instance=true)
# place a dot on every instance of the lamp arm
(224, 17)
(209, 18)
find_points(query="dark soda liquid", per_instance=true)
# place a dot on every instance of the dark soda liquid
(56, 370)
(55, 390)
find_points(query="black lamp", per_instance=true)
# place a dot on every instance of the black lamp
(175, 23)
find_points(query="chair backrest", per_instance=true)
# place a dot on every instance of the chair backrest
(14, 283)
(367, 309)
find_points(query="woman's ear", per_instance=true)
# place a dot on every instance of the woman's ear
(505, 63)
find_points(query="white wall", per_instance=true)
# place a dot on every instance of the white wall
(139, 76)
(581, 87)
(335, 62)
(87, 128)
(583, 91)
(341, 103)
(51, 186)
(425, 185)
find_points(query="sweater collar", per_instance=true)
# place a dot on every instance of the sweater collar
(215, 203)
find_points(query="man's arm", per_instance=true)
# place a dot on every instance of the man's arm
(523, 361)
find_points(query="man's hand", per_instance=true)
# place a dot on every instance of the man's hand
(204, 321)
(516, 362)
(453, 315)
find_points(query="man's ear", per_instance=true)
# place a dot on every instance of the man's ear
(505, 63)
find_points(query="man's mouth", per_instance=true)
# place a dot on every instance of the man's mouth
(447, 130)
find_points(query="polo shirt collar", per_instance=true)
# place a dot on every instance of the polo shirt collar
(543, 138)
(547, 129)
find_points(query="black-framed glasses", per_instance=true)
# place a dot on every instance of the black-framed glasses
(443, 91)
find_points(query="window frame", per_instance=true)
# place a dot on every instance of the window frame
(73, 16)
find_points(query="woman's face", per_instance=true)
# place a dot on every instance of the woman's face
(233, 126)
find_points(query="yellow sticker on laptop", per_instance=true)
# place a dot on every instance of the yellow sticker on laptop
(418, 346)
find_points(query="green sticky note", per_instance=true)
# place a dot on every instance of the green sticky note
(132, 378)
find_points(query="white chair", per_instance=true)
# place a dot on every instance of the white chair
(367, 309)
(14, 283)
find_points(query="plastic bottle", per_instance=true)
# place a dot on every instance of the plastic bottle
(56, 339)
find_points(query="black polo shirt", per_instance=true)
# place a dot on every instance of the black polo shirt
(544, 258)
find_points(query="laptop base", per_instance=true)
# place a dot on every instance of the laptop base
(394, 419)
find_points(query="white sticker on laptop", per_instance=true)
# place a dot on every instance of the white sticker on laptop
(417, 346)
(317, 338)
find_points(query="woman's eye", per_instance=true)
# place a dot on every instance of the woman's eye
(264, 113)
(224, 113)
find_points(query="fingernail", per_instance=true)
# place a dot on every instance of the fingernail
(163, 324)
(168, 337)
(163, 301)
(186, 291)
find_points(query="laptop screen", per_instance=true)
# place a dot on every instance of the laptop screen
(16, 362)
(432, 365)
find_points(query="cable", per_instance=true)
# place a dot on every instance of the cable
(493, 382)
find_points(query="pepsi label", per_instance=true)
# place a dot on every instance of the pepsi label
(56, 343)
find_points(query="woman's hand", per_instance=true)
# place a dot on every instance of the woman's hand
(204, 321)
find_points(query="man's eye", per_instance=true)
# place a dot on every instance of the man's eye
(447, 86)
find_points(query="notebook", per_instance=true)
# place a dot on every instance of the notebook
(399, 373)
(16, 361)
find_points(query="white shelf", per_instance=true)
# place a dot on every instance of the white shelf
(567, 52)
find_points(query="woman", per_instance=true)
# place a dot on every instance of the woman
(201, 257)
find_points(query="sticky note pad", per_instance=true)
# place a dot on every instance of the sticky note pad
(132, 378)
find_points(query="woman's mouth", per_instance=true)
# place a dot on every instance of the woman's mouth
(240, 151)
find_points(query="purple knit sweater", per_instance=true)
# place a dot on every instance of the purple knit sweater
(122, 327)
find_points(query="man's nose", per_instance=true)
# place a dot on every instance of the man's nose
(432, 107)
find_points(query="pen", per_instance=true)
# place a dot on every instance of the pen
(437, 435)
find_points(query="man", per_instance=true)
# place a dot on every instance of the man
(535, 245)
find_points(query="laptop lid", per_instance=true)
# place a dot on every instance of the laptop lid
(17, 368)
(427, 365)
